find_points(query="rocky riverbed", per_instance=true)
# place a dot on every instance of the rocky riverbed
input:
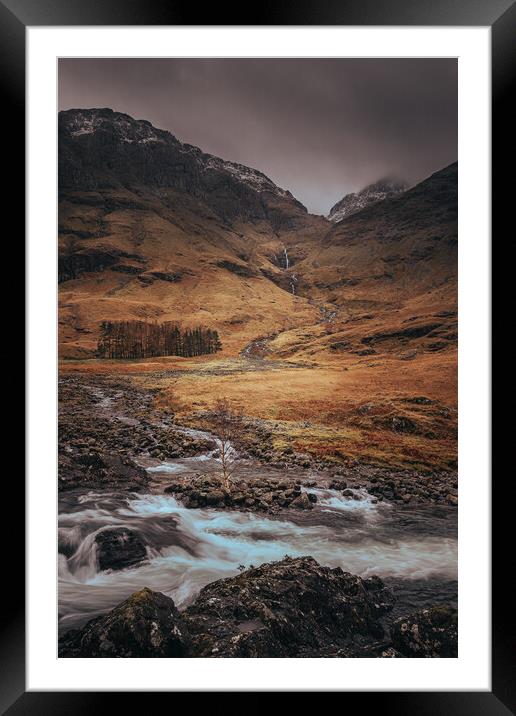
(113, 434)
(105, 424)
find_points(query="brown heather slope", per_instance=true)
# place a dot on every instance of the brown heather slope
(348, 353)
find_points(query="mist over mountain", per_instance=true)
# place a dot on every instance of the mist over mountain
(355, 201)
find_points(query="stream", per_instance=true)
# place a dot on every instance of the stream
(414, 549)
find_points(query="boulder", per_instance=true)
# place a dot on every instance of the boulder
(290, 608)
(119, 548)
(215, 498)
(338, 485)
(302, 502)
(175, 487)
(147, 624)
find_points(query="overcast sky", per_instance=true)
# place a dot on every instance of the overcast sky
(320, 128)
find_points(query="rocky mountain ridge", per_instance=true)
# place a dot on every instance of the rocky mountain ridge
(100, 148)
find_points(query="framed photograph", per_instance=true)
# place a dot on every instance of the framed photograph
(259, 348)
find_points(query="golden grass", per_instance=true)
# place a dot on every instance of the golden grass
(319, 410)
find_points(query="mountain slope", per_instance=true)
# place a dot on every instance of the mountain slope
(389, 272)
(100, 149)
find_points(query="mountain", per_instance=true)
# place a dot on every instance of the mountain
(100, 149)
(154, 229)
(382, 189)
(396, 248)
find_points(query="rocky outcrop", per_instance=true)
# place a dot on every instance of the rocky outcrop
(95, 260)
(147, 624)
(372, 193)
(119, 548)
(165, 276)
(238, 269)
(409, 487)
(290, 608)
(403, 333)
(427, 634)
(70, 266)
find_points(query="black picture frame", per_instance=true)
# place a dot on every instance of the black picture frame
(500, 15)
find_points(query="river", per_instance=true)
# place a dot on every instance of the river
(414, 549)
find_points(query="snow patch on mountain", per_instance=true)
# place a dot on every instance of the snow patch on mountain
(125, 128)
(84, 124)
(252, 177)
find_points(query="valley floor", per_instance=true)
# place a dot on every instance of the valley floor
(383, 413)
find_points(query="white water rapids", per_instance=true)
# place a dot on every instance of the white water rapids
(187, 549)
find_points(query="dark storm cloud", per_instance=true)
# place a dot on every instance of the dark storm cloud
(321, 128)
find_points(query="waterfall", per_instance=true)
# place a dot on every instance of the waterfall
(287, 262)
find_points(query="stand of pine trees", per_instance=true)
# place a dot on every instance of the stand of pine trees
(139, 339)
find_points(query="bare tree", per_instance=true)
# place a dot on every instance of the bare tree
(228, 426)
